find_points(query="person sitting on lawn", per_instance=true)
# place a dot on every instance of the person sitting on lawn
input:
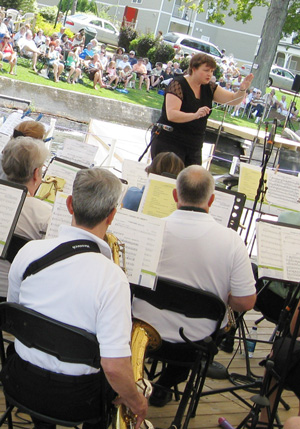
(7, 53)
(19, 35)
(95, 71)
(29, 48)
(54, 61)
(72, 62)
(126, 75)
(156, 76)
(79, 38)
(141, 71)
(112, 74)
(39, 38)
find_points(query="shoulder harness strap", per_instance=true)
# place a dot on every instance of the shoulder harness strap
(61, 252)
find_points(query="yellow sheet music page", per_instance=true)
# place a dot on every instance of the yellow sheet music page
(157, 198)
(249, 180)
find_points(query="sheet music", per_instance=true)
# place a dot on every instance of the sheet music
(142, 236)
(3, 140)
(283, 190)
(157, 199)
(134, 172)
(60, 215)
(222, 207)
(10, 198)
(78, 152)
(12, 121)
(278, 251)
(66, 171)
(249, 180)
(291, 253)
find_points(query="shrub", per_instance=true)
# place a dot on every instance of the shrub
(142, 44)
(184, 63)
(48, 28)
(162, 52)
(127, 34)
(49, 13)
(218, 73)
(28, 6)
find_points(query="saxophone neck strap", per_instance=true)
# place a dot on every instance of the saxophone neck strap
(61, 252)
(192, 209)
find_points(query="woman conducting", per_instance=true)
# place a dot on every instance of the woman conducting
(187, 105)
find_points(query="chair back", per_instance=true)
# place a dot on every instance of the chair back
(180, 298)
(66, 342)
(16, 243)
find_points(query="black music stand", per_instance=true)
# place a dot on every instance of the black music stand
(261, 400)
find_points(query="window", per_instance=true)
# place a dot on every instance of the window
(215, 51)
(96, 22)
(137, 1)
(108, 26)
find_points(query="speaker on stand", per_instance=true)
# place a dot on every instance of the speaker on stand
(296, 83)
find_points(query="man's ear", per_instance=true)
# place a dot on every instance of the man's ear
(36, 175)
(111, 216)
(211, 200)
(175, 195)
(69, 204)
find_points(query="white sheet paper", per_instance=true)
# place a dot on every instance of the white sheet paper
(222, 207)
(60, 215)
(278, 251)
(3, 140)
(134, 172)
(283, 190)
(12, 121)
(78, 152)
(10, 198)
(65, 171)
(142, 236)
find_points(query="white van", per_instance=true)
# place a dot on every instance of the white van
(190, 45)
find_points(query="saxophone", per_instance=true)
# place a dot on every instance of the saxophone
(117, 249)
(143, 336)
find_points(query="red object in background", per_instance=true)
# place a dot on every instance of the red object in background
(130, 15)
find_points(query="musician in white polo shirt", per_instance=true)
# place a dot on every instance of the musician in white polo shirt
(86, 290)
(198, 252)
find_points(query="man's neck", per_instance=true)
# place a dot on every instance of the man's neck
(99, 230)
(188, 207)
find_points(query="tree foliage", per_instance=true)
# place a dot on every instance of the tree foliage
(283, 19)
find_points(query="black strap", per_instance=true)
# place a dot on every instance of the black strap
(61, 252)
(192, 209)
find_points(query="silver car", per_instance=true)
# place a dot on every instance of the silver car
(106, 32)
(190, 45)
(278, 76)
(281, 78)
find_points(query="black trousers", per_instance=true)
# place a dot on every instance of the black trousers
(70, 398)
(189, 156)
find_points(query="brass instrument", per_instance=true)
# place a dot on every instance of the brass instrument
(117, 250)
(231, 319)
(143, 336)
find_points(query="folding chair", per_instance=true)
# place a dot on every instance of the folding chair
(67, 343)
(17, 242)
(193, 303)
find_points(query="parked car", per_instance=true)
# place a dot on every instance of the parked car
(106, 32)
(190, 45)
(279, 77)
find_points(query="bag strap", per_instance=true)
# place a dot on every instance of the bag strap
(61, 252)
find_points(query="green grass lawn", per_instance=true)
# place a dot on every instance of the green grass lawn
(135, 96)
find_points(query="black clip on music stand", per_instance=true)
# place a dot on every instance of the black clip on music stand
(261, 400)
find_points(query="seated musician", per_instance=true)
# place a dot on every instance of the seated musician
(198, 252)
(86, 290)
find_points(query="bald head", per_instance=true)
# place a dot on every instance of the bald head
(195, 187)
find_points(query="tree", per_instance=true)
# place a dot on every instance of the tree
(283, 19)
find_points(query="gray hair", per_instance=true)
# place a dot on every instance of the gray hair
(96, 192)
(21, 156)
(195, 185)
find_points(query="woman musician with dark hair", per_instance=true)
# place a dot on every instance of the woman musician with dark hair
(187, 105)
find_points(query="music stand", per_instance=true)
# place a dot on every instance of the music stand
(288, 119)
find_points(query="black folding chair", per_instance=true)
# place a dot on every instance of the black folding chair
(193, 303)
(67, 343)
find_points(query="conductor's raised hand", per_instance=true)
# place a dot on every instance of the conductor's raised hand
(246, 82)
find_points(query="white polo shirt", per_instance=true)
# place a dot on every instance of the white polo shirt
(199, 252)
(86, 290)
